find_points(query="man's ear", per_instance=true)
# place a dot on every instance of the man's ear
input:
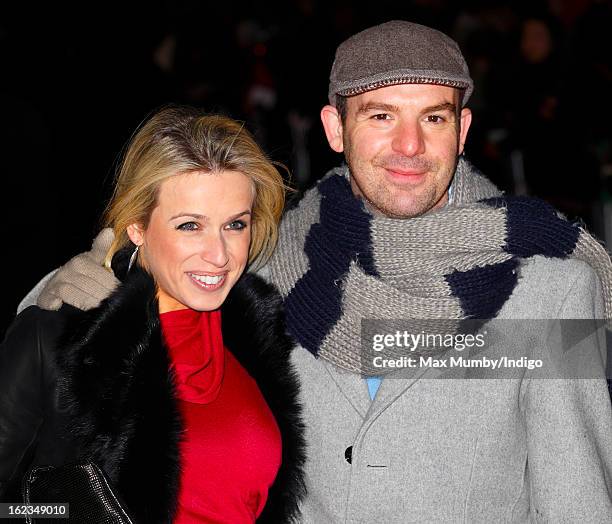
(466, 120)
(136, 234)
(332, 123)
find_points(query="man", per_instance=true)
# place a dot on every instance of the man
(409, 230)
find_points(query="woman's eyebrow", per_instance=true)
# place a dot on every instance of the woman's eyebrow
(245, 212)
(197, 216)
(187, 214)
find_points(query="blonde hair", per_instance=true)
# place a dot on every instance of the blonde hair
(179, 140)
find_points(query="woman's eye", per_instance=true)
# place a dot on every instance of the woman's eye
(188, 226)
(237, 225)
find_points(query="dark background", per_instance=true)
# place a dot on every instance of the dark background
(77, 80)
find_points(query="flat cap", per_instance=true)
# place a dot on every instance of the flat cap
(397, 52)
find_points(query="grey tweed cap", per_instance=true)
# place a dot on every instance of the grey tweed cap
(397, 52)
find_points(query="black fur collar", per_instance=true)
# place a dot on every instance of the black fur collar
(116, 388)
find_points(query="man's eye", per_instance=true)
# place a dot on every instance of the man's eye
(237, 225)
(381, 116)
(435, 119)
(188, 226)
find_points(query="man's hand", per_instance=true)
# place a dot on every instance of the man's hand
(83, 282)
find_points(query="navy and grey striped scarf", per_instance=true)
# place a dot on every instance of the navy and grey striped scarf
(337, 264)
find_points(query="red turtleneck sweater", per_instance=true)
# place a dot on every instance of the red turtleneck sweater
(231, 448)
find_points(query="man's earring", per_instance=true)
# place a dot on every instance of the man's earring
(133, 258)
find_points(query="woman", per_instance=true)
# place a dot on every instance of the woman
(178, 386)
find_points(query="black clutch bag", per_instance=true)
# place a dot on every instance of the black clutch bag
(83, 486)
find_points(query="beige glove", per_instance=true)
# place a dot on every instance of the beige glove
(83, 282)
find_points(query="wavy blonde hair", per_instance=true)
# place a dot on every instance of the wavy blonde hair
(178, 140)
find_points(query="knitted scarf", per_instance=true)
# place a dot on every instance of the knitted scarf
(337, 264)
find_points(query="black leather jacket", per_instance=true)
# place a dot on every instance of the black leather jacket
(31, 420)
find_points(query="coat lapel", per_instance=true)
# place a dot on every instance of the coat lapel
(391, 388)
(353, 387)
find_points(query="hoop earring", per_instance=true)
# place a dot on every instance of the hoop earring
(133, 258)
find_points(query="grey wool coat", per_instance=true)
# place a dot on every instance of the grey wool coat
(456, 450)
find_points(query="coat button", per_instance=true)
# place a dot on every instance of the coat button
(348, 454)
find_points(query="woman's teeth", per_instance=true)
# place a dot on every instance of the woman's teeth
(208, 279)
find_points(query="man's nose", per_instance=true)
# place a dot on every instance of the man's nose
(214, 250)
(408, 139)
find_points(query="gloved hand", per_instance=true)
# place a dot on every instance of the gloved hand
(83, 281)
